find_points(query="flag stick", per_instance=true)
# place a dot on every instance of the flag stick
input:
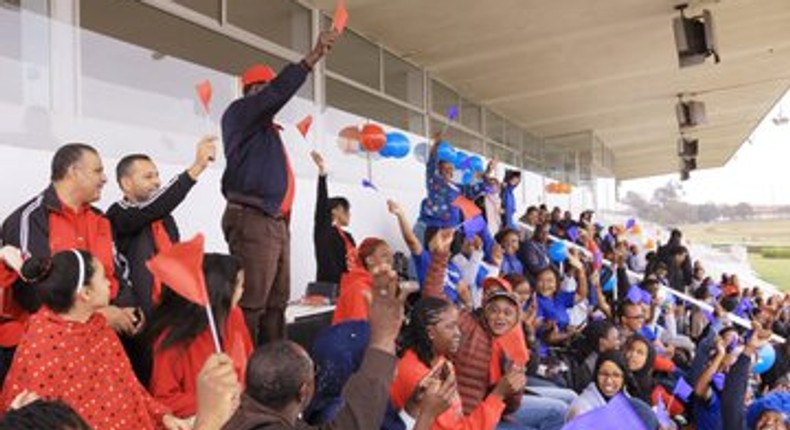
(213, 328)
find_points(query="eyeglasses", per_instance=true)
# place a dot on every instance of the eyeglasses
(607, 375)
(635, 317)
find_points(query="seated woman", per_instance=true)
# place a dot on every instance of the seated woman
(356, 284)
(69, 353)
(182, 338)
(609, 380)
(431, 335)
(553, 305)
(640, 356)
(535, 252)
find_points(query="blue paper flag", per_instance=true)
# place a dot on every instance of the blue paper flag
(452, 112)
(630, 223)
(617, 414)
(662, 413)
(718, 380)
(682, 389)
(474, 226)
(634, 294)
(709, 314)
(646, 296)
(714, 290)
(366, 183)
(573, 233)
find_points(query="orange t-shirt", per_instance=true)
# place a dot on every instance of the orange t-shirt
(353, 303)
(511, 346)
(411, 371)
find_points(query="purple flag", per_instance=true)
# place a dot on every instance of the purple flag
(573, 233)
(709, 314)
(682, 389)
(634, 294)
(473, 226)
(714, 290)
(366, 183)
(718, 380)
(646, 296)
(630, 223)
(617, 414)
(662, 413)
(452, 112)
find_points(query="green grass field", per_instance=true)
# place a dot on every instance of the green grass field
(754, 234)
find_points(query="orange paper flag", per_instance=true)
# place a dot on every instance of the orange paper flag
(304, 125)
(204, 93)
(341, 17)
(181, 269)
(468, 207)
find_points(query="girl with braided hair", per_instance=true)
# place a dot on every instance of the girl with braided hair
(431, 334)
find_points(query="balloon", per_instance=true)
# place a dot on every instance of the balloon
(630, 223)
(558, 251)
(445, 152)
(397, 145)
(476, 164)
(650, 244)
(609, 284)
(468, 178)
(461, 160)
(766, 356)
(348, 139)
(373, 137)
(565, 188)
(636, 229)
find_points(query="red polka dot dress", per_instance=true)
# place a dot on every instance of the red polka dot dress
(84, 365)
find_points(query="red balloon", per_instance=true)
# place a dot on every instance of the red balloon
(373, 137)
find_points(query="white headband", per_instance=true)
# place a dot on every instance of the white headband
(81, 277)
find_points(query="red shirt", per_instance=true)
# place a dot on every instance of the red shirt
(411, 371)
(355, 288)
(174, 377)
(87, 230)
(84, 365)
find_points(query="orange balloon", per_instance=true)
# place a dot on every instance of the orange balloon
(650, 244)
(636, 229)
(373, 137)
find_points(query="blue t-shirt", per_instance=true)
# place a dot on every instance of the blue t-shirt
(421, 264)
(556, 308)
(708, 413)
(511, 264)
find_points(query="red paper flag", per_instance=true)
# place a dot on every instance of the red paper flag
(304, 125)
(204, 93)
(341, 17)
(181, 269)
(468, 207)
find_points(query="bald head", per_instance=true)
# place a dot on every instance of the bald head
(277, 374)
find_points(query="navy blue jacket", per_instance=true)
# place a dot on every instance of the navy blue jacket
(257, 169)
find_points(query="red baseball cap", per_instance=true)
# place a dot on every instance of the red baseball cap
(257, 73)
(497, 283)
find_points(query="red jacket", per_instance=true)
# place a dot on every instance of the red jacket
(174, 377)
(84, 365)
(355, 288)
(42, 227)
(411, 371)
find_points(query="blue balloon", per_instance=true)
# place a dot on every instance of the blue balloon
(766, 356)
(397, 145)
(468, 178)
(609, 284)
(558, 252)
(460, 160)
(445, 152)
(477, 164)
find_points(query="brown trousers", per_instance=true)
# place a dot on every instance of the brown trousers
(262, 243)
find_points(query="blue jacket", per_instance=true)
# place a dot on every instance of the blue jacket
(257, 171)
(509, 206)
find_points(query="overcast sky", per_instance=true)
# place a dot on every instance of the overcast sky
(758, 173)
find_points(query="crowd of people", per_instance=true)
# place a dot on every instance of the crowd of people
(487, 325)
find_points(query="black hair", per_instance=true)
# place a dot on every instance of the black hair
(510, 174)
(643, 378)
(618, 358)
(593, 333)
(67, 156)
(624, 304)
(54, 280)
(505, 232)
(276, 372)
(181, 321)
(415, 334)
(341, 202)
(122, 169)
(532, 209)
(455, 246)
(43, 414)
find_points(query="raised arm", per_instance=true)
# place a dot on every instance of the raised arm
(581, 278)
(412, 242)
(440, 253)
(702, 384)
(322, 216)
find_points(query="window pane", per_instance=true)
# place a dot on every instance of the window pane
(458, 138)
(505, 155)
(356, 101)
(442, 97)
(495, 126)
(402, 80)
(356, 58)
(513, 136)
(284, 22)
(470, 115)
(210, 8)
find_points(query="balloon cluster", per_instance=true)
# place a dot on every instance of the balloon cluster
(371, 138)
(559, 188)
(468, 165)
